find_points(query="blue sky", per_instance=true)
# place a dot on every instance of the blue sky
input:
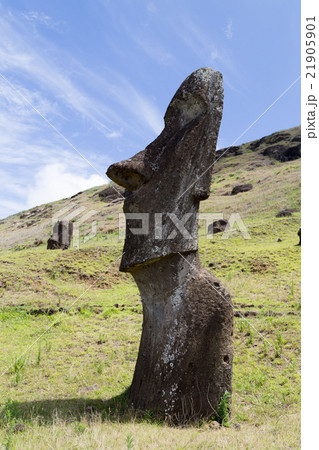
(102, 73)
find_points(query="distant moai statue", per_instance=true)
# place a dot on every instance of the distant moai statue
(299, 234)
(62, 235)
(184, 365)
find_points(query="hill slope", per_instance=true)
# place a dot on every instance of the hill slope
(76, 320)
(256, 165)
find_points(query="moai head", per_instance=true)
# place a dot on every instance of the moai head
(62, 232)
(173, 174)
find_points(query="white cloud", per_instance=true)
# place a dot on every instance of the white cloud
(143, 107)
(28, 143)
(228, 30)
(18, 55)
(154, 50)
(56, 181)
(38, 74)
(214, 55)
(115, 134)
(17, 100)
(124, 93)
(39, 17)
(200, 42)
(8, 207)
(25, 138)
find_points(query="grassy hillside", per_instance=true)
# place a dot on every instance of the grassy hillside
(71, 323)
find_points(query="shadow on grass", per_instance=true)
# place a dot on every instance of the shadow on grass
(73, 409)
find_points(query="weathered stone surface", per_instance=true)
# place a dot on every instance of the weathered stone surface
(62, 235)
(180, 159)
(241, 188)
(184, 364)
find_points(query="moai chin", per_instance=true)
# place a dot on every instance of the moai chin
(184, 364)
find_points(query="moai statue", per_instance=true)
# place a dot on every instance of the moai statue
(184, 364)
(62, 235)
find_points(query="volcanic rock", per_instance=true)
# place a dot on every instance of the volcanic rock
(62, 235)
(241, 188)
(184, 365)
(217, 226)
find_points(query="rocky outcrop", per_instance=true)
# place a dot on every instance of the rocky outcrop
(282, 146)
(112, 194)
(241, 188)
(282, 153)
(62, 235)
(218, 226)
(184, 364)
(285, 212)
(230, 151)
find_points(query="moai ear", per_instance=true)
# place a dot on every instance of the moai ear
(205, 165)
(202, 186)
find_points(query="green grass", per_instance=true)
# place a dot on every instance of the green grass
(70, 326)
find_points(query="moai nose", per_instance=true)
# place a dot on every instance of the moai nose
(131, 173)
